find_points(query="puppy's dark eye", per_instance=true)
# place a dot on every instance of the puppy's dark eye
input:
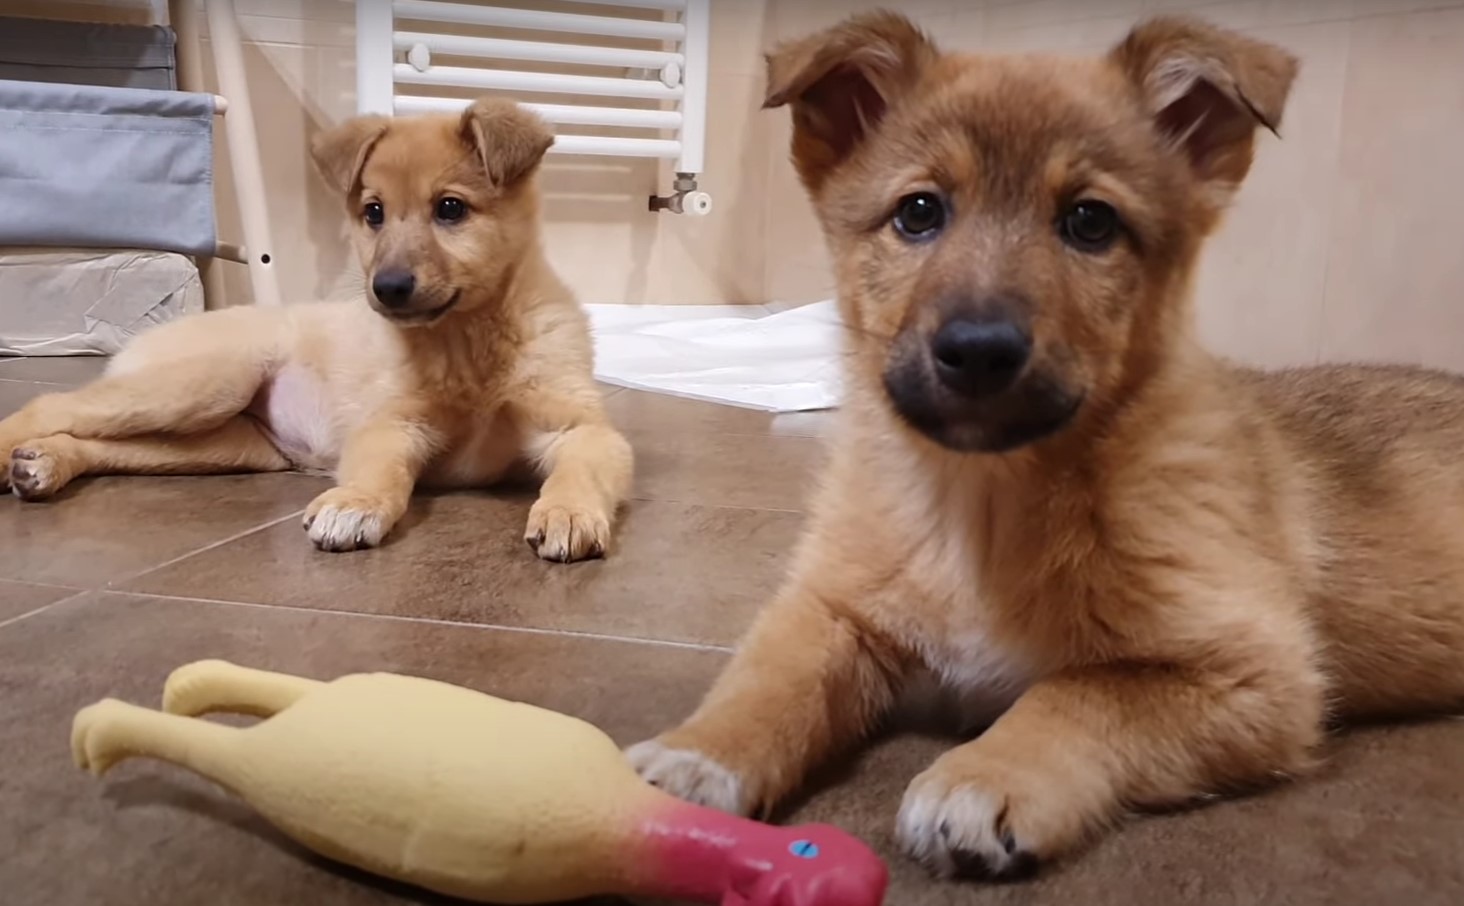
(920, 216)
(450, 210)
(1090, 226)
(374, 213)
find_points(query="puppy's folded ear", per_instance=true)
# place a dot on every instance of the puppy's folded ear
(841, 82)
(341, 153)
(510, 140)
(1208, 90)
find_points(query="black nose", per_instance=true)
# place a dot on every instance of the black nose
(979, 358)
(393, 289)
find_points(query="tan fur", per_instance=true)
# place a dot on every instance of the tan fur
(1171, 594)
(454, 399)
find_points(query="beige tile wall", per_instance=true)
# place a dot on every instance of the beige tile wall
(1341, 245)
(599, 231)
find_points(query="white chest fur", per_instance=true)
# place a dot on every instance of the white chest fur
(946, 621)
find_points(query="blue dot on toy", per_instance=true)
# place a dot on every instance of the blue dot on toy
(804, 849)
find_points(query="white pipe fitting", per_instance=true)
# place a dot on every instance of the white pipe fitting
(697, 204)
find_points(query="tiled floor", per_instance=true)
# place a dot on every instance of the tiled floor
(103, 591)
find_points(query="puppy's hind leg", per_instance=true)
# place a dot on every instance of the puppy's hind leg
(185, 377)
(42, 467)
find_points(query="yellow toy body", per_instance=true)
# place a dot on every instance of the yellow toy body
(459, 792)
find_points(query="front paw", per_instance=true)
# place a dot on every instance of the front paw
(689, 775)
(564, 533)
(973, 816)
(343, 519)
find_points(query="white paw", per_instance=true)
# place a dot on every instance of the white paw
(960, 831)
(334, 529)
(688, 775)
(565, 534)
(345, 520)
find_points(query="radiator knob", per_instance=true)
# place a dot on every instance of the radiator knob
(420, 57)
(671, 74)
(697, 204)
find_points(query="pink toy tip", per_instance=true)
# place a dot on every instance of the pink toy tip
(711, 857)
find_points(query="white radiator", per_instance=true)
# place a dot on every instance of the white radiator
(650, 53)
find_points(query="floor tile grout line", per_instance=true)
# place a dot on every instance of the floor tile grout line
(429, 621)
(111, 585)
(637, 498)
(44, 607)
(59, 585)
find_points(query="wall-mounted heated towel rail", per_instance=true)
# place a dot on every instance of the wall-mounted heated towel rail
(647, 58)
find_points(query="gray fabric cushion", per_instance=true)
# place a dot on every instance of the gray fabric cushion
(85, 301)
(83, 53)
(106, 168)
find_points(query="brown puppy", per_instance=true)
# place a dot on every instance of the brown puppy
(1170, 572)
(475, 358)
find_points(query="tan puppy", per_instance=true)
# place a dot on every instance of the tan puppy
(475, 357)
(1170, 571)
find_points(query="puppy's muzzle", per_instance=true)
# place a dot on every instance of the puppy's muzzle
(973, 380)
(978, 358)
(394, 289)
(398, 296)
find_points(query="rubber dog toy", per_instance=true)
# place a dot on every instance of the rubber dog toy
(468, 795)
